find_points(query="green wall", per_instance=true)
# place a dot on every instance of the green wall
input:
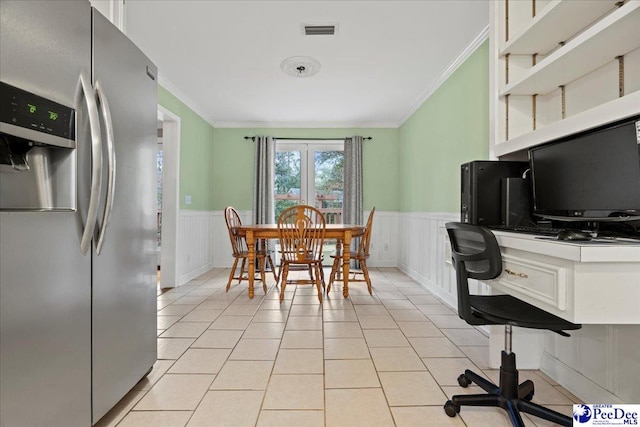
(450, 128)
(233, 164)
(196, 153)
(216, 164)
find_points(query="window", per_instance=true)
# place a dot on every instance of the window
(310, 173)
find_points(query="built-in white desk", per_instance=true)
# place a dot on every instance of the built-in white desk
(589, 282)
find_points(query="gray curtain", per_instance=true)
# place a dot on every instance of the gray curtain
(264, 180)
(352, 202)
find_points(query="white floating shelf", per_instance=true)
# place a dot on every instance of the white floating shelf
(557, 22)
(611, 111)
(616, 34)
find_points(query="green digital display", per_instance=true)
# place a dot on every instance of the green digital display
(33, 110)
(28, 110)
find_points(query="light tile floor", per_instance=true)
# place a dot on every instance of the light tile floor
(391, 359)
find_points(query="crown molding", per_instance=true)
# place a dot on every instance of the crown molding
(480, 38)
(182, 97)
(305, 125)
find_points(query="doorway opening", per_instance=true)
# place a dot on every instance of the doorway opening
(168, 160)
(159, 161)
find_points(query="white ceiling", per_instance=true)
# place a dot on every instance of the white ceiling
(222, 58)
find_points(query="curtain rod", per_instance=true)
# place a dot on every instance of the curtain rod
(308, 139)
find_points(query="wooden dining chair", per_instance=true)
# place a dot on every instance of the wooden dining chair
(301, 230)
(241, 251)
(361, 255)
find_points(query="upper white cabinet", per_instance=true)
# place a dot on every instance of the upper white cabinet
(560, 67)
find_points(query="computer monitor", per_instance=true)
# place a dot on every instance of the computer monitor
(593, 176)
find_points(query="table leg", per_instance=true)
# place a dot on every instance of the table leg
(251, 246)
(338, 252)
(346, 249)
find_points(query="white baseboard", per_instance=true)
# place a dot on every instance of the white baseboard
(437, 291)
(187, 277)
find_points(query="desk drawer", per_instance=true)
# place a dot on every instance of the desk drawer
(544, 282)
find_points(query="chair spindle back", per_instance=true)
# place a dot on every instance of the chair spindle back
(301, 229)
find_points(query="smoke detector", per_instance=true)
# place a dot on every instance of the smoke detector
(300, 66)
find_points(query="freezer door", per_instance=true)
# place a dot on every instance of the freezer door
(124, 273)
(45, 288)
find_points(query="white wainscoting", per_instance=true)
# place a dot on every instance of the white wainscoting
(425, 255)
(383, 251)
(195, 243)
(384, 240)
(424, 252)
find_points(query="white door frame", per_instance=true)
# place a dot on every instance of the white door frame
(170, 197)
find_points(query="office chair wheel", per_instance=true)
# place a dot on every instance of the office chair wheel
(464, 381)
(528, 397)
(451, 409)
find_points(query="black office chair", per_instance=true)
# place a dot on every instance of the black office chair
(476, 255)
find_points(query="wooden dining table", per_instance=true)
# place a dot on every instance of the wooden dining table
(343, 233)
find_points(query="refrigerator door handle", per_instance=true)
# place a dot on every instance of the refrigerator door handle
(111, 164)
(96, 163)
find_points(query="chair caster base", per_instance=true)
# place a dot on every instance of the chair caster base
(464, 381)
(451, 409)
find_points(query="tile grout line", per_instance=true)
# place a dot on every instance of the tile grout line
(216, 290)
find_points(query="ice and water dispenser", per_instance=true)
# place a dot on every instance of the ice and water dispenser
(37, 153)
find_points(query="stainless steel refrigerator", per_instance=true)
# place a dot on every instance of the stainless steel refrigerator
(78, 114)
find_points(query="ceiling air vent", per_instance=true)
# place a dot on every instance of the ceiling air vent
(319, 30)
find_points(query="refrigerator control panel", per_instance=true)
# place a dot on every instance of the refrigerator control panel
(27, 110)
